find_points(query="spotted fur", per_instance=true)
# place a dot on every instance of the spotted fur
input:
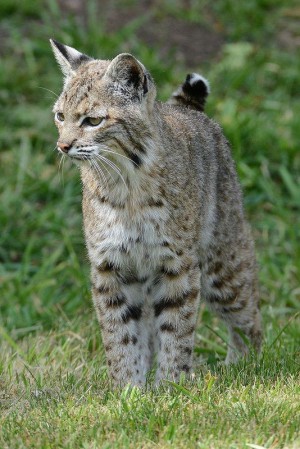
(163, 215)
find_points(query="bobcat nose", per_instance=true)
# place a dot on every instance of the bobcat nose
(65, 147)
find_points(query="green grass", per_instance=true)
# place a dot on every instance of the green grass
(57, 395)
(54, 389)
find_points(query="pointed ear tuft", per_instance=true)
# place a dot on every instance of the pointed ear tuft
(130, 74)
(68, 58)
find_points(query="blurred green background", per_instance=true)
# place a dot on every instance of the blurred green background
(248, 50)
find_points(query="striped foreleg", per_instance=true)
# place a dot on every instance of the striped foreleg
(175, 319)
(121, 322)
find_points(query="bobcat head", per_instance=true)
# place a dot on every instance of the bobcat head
(105, 109)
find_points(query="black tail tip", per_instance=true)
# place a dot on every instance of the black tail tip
(196, 86)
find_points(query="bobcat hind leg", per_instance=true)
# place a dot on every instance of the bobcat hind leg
(230, 289)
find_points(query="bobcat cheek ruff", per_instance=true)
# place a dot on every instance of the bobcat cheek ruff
(163, 215)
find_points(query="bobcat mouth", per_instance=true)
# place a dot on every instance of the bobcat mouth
(80, 155)
(78, 158)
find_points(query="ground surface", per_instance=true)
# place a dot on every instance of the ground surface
(54, 390)
(189, 33)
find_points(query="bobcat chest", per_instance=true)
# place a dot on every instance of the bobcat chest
(130, 238)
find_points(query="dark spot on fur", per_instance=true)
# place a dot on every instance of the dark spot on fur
(125, 340)
(240, 305)
(227, 299)
(173, 303)
(139, 239)
(193, 295)
(166, 304)
(169, 273)
(102, 289)
(188, 331)
(218, 267)
(167, 327)
(131, 313)
(214, 268)
(137, 161)
(102, 199)
(123, 249)
(231, 273)
(134, 340)
(219, 283)
(155, 203)
(188, 315)
(167, 349)
(185, 368)
(115, 301)
(106, 267)
(187, 350)
(145, 83)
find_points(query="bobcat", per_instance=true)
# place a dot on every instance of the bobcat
(163, 215)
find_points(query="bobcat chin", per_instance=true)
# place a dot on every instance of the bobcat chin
(163, 215)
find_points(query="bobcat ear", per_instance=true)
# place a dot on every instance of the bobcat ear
(68, 58)
(130, 74)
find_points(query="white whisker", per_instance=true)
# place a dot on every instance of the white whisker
(104, 167)
(100, 161)
(98, 170)
(113, 167)
(49, 90)
(61, 169)
(108, 150)
(109, 162)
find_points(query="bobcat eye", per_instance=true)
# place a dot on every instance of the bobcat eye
(92, 121)
(60, 116)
